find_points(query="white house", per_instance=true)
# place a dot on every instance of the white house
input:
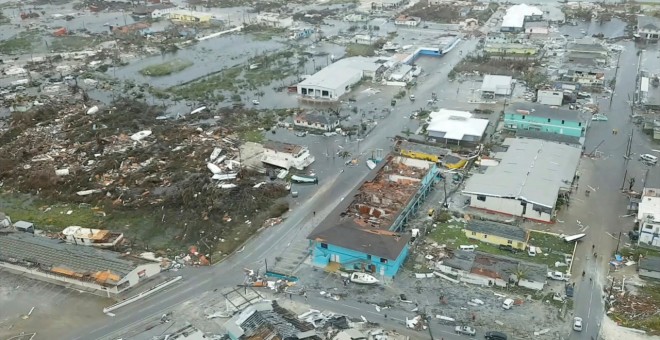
(515, 17)
(648, 217)
(285, 155)
(455, 127)
(528, 180)
(496, 85)
(316, 121)
(337, 78)
(85, 268)
(550, 97)
(406, 20)
(648, 28)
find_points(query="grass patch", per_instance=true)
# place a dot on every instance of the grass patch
(72, 43)
(21, 43)
(637, 251)
(553, 247)
(166, 68)
(354, 50)
(255, 136)
(263, 32)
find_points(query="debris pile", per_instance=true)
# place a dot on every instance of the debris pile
(126, 155)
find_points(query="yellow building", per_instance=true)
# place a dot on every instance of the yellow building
(453, 162)
(497, 233)
(511, 49)
(189, 16)
(420, 151)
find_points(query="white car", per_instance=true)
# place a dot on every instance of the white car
(507, 304)
(466, 330)
(255, 102)
(559, 276)
(577, 324)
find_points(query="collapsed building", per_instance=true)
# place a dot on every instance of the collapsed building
(370, 234)
(85, 268)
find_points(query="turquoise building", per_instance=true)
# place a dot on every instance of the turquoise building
(545, 119)
(370, 236)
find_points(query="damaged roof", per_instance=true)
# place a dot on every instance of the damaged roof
(423, 148)
(314, 117)
(545, 111)
(495, 266)
(498, 229)
(650, 263)
(268, 320)
(283, 147)
(48, 254)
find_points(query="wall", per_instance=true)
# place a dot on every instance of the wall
(133, 278)
(651, 274)
(554, 98)
(419, 155)
(509, 206)
(494, 239)
(349, 259)
(332, 94)
(568, 128)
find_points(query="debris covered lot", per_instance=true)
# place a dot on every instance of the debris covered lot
(181, 180)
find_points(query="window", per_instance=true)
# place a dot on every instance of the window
(368, 257)
(523, 117)
(548, 120)
(562, 122)
(324, 245)
(579, 124)
(474, 233)
(481, 198)
(325, 93)
(509, 242)
(648, 226)
(382, 260)
(485, 236)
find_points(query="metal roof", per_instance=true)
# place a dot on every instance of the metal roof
(423, 148)
(530, 170)
(549, 136)
(493, 83)
(456, 125)
(544, 111)
(48, 253)
(340, 72)
(498, 229)
(648, 22)
(515, 15)
(650, 263)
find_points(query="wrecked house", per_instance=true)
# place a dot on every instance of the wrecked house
(268, 320)
(286, 155)
(492, 270)
(92, 237)
(370, 234)
(84, 268)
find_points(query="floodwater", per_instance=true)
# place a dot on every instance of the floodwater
(208, 56)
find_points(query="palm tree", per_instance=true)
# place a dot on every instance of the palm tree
(520, 273)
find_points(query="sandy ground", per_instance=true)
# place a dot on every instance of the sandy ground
(610, 331)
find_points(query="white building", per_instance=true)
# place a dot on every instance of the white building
(316, 121)
(648, 28)
(495, 85)
(515, 17)
(92, 237)
(648, 217)
(528, 180)
(337, 78)
(406, 20)
(285, 155)
(456, 127)
(550, 97)
(85, 268)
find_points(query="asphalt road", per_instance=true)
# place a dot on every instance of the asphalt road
(273, 242)
(602, 211)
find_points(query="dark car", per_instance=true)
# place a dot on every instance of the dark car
(569, 290)
(494, 335)
(508, 248)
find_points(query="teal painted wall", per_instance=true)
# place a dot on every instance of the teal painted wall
(526, 122)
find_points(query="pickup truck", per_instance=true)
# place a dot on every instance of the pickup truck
(465, 330)
(559, 276)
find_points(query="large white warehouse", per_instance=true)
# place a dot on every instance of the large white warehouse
(337, 78)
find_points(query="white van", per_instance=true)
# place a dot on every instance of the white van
(507, 304)
(531, 251)
(467, 248)
(648, 158)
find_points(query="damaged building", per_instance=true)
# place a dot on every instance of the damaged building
(85, 268)
(369, 235)
(286, 155)
(268, 320)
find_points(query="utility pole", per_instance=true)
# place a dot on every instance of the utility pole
(618, 243)
(623, 184)
(615, 74)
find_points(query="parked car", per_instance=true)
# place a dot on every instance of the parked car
(648, 159)
(577, 324)
(301, 134)
(466, 330)
(531, 251)
(569, 290)
(494, 335)
(559, 276)
(507, 247)
(599, 117)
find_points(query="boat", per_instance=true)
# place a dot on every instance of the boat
(92, 237)
(363, 278)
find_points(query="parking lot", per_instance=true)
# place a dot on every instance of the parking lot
(19, 294)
